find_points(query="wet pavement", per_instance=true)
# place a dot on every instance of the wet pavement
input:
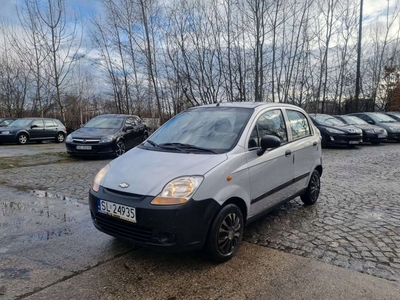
(49, 248)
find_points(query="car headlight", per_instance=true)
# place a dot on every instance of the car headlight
(5, 132)
(331, 130)
(69, 138)
(107, 139)
(178, 191)
(369, 130)
(394, 129)
(99, 177)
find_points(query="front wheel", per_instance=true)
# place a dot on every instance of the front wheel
(120, 148)
(312, 193)
(225, 234)
(22, 138)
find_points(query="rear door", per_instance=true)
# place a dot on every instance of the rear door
(271, 174)
(50, 128)
(305, 147)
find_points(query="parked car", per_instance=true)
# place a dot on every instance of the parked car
(205, 174)
(371, 133)
(4, 122)
(384, 121)
(107, 135)
(23, 130)
(335, 132)
(393, 114)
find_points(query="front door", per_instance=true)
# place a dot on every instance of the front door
(271, 174)
(37, 130)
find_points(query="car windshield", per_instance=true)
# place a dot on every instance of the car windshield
(5, 122)
(327, 120)
(210, 129)
(21, 122)
(108, 122)
(382, 118)
(351, 120)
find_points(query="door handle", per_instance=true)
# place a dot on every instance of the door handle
(315, 144)
(288, 152)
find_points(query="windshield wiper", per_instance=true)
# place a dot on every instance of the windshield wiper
(152, 143)
(183, 147)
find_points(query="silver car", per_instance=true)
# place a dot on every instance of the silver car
(205, 174)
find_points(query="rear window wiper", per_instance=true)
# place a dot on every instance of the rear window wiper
(181, 146)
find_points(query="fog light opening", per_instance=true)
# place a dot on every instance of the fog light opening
(166, 237)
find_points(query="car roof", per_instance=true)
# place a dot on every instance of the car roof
(247, 105)
(116, 115)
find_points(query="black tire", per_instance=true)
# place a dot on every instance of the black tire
(225, 234)
(120, 148)
(313, 189)
(145, 136)
(22, 139)
(60, 138)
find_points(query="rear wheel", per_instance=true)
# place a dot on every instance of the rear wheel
(225, 234)
(60, 137)
(22, 138)
(313, 189)
(120, 148)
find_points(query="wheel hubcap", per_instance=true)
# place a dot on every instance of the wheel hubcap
(22, 139)
(315, 187)
(60, 138)
(229, 234)
(120, 149)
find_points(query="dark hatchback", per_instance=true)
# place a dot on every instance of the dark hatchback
(23, 130)
(4, 122)
(335, 132)
(371, 133)
(107, 135)
(384, 121)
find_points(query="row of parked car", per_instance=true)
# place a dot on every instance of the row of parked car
(111, 134)
(353, 129)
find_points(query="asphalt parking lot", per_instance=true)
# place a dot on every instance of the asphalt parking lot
(354, 225)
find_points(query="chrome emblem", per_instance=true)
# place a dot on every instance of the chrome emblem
(84, 141)
(123, 185)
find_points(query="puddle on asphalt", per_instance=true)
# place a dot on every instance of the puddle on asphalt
(8, 209)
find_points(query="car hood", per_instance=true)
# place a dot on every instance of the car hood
(344, 128)
(367, 126)
(93, 132)
(147, 172)
(387, 125)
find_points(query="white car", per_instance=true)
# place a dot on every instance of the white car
(205, 174)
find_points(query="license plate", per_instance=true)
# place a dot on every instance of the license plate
(117, 210)
(381, 136)
(84, 147)
(354, 142)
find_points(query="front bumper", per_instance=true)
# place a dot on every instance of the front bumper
(374, 137)
(95, 149)
(8, 138)
(169, 228)
(343, 139)
(394, 136)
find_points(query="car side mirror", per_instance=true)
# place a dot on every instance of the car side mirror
(371, 122)
(128, 128)
(34, 126)
(268, 142)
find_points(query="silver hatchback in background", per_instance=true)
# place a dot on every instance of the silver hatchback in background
(205, 174)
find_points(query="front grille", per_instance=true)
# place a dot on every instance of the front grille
(124, 194)
(122, 228)
(86, 141)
